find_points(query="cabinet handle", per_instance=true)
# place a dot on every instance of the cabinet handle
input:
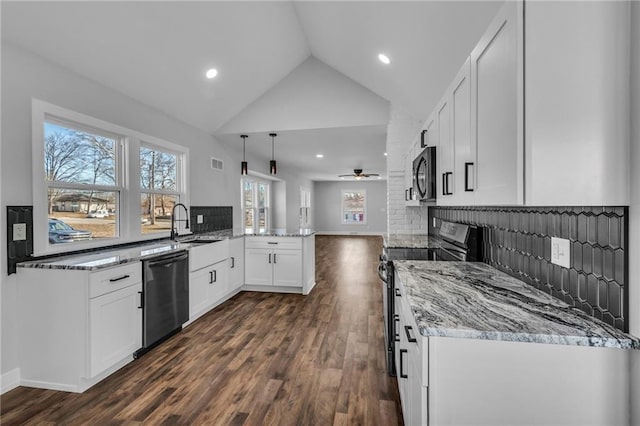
(423, 139)
(274, 258)
(409, 337)
(124, 277)
(215, 276)
(398, 292)
(466, 177)
(272, 242)
(403, 375)
(210, 277)
(446, 183)
(141, 301)
(233, 262)
(269, 257)
(396, 319)
(406, 195)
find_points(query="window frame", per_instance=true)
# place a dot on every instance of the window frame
(256, 216)
(342, 207)
(127, 171)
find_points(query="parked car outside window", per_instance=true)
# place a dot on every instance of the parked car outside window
(60, 232)
(98, 213)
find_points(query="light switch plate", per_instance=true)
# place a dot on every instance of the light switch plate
(561, 252)
(200, 218)
(19, 231)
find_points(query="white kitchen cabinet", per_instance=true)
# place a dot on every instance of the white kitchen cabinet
(454, 381)
(577, 103)
(464, 152)
(115, 327)
(497, 109)
(208, 277)
(279, 264)
(82, 325)
(444, 176)
(236, 264)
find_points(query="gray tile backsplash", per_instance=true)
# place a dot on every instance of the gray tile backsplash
(517, 240)
(214, 218)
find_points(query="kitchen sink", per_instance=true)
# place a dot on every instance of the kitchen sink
(197, 241)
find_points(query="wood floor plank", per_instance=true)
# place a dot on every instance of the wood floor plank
(257, 359)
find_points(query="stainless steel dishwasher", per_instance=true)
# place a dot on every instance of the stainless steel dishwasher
(165, 297)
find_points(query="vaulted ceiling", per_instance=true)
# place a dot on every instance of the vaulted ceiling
(158, 52)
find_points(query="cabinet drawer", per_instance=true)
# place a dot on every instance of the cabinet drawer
(287, 243)
(112, 279)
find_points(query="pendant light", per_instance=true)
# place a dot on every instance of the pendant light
(272, 163)
(244, 169)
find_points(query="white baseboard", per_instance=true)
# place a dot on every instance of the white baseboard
(10, 380)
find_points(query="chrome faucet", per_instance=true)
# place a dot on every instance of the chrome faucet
(174, 231)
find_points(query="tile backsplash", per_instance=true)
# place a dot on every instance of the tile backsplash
(215, 218)
(517, 240)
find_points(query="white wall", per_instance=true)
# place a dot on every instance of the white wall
(333, 100)
(634, 225)
(26, 76)
(326, 206)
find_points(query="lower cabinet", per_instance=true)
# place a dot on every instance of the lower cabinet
(273, 263)
(236, 264)
(115, 327)
(208, 277)
(462, 381)
(81, 325)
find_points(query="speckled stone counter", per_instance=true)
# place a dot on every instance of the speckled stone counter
(411, 241)
(476, 301)
(284, 233)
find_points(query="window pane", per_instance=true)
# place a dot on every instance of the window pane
(248, 194)
(248, 221)
(72, 155)
(353, 207)
(158, 170)
(76, 215)
(262, 195)
(155, 212)
(262, 220)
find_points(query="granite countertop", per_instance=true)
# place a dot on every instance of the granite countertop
(284, 233)
(109, 257)
(411, 241)
(474, 300)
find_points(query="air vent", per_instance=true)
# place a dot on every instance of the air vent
(217, 164)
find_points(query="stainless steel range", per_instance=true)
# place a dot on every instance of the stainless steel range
(457, 242)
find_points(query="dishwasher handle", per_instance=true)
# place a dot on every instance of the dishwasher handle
(167, 260)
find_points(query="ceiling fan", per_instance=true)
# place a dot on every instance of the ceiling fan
(357, 174)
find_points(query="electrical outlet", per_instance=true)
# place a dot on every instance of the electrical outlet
(19, 231)
(560, 252)
(200, 218)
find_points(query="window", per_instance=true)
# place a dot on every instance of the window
(255, 202)
(305, 208)
(83, 186)
(97, 184)
(158, 188)
(354, 207)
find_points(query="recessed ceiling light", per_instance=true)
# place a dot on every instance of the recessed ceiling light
(384, 59)
(319, 155)
(385, 154)
(212, 73)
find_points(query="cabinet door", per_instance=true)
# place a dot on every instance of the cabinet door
(463, 152)
(257, 267)
(236, 263)
(287, 268)
(497, 121)
(198, 292)
(115, 327)
(445, 176)
(218, 281)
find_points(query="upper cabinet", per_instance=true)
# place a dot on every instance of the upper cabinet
(539, 113)
(577, 103)
(497, 110)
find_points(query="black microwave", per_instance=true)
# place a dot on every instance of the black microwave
(424, 174)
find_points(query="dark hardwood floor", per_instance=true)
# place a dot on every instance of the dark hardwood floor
(259, 358)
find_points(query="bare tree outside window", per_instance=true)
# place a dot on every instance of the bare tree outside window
(158, 183)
